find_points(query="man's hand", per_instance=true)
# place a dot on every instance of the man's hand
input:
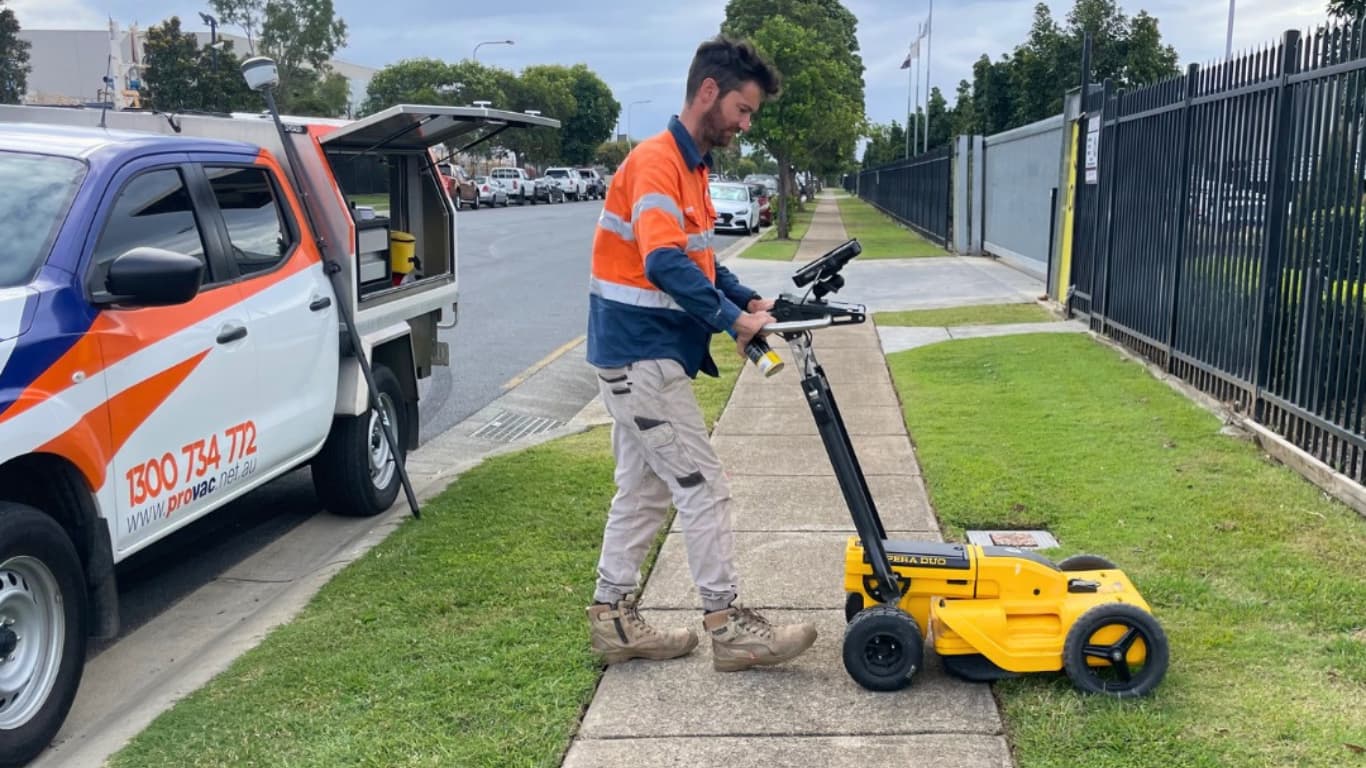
(759, 305)
(748, 325)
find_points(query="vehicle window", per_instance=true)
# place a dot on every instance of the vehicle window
(729, 193)
(257, 231)
(558, 174)
(153, 211)
(35, 194)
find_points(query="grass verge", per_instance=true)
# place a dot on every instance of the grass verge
(770, 248)
(1254, 575)
(881, 236)
(459, 640)
(981, 314)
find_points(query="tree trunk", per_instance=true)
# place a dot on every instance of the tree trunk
(784, 189)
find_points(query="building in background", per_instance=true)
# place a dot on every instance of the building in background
(72, 67)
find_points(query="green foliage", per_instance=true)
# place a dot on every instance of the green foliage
(1029, 83)
(817, 120)
(610, 154)
(886, 144)
(302, 36)
(14, 67)
(575, 96)
(246, 14)
(1344, 9)
(181, 76)
(976, 314)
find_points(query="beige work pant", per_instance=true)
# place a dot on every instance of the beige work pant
(663, 453)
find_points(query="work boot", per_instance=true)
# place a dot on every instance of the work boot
(620, 634)
(741, 638)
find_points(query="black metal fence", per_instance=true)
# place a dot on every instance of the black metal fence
(1224, 238)
(916, 192)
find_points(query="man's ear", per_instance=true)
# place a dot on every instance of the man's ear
(707, 93)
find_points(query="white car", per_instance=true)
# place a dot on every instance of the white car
(569, 182)
(736, 207)
(518, 184)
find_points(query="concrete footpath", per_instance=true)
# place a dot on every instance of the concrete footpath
(791, 526)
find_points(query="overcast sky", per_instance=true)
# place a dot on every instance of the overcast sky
(642, 49)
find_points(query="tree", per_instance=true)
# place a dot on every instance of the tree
(817, 120)
(596, 113)
(246, 14)
(411, 81)
(180, 76)
(171, 74)
(14, 67)
(1028, 84)
(301, 36)
(611, 153)
(1347, 9)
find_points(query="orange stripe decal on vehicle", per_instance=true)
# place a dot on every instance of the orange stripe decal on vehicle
(93, 441)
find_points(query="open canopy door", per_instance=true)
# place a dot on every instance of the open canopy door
(418, 127)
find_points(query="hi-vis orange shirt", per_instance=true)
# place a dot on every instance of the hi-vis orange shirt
(656, 290)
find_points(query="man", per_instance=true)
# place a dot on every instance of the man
(657, 296)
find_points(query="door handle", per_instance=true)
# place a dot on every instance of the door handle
(320, 303)
(232, 333)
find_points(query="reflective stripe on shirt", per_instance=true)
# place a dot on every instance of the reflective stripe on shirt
(653, 200)
(617, 226)
(629, 294)
(700, 242)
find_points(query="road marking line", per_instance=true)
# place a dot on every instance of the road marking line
(519, 379)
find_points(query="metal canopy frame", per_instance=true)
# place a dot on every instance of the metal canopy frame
(418, 127)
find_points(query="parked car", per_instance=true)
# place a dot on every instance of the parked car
(491, 192)
(548, 190)
(458, 185)
(569, 181)
(736, 208)
(597, 187)
(770, 182)
(760, 194)
(519, 184)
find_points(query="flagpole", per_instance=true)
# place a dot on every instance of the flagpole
(929, 39)
(915, 113)
(910, 78)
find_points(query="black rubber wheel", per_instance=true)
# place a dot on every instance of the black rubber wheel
(475, 205)
(1086, 563)
(1109, 633)
(883, 648)
(853, 604)
(42, 630)
(355, 474)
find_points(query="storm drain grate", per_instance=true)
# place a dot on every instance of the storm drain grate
(509, 427)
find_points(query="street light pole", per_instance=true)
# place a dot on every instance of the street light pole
(629, 107)
(475, 56)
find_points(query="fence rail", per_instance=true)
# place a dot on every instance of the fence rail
(916, 192)
(1224, 235)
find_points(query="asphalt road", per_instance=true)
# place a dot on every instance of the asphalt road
(523, 275)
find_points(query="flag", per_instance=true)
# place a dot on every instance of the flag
(913, 53)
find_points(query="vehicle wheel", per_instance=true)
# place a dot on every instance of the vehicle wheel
(883, 648)
(1086, 563)
(42, 630)
(853, 604)
(356, 475)
(1110, 635)
(476, 203)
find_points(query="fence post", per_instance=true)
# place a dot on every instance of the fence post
(1273, 246)
(978, 225)
(1182, 208)
(961, 189)
(1100, 268)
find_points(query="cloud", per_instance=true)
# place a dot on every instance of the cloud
(57, 14)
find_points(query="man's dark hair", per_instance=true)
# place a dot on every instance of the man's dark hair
(731, 63)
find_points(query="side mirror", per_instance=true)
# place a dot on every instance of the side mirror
(153, 277)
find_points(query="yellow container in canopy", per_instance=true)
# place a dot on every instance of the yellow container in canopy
(402, 252)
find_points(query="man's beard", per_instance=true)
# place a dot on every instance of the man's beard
(714, 130)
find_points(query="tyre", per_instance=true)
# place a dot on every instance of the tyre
(475, 206)
(1086, 563)
(1100, 645)
(42, 630)
(356, 474)
(883, 648)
